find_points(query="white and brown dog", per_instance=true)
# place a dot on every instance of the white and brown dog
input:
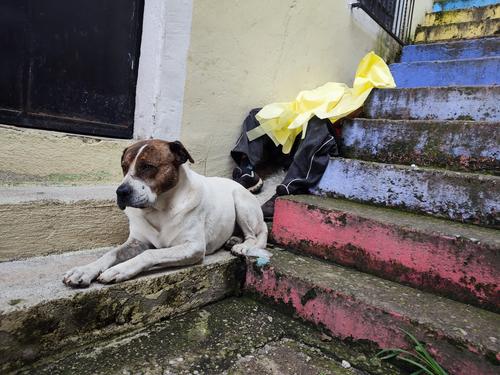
(176, 216)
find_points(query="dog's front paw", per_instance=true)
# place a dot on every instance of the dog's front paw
(114, 275)
(80, 277)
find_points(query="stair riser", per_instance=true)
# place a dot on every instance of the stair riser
(467, 30)
(462, 146)
(447, 73)
(348, 318)
(458, 268)
(435, 103)
(440, 6)
(470, 49)
(462, 15)
(48, 328)
(453, 195)
(58, 158)
(40, 228)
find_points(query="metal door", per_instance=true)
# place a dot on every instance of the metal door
(70, 65)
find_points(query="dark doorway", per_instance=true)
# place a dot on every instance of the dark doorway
(70, 65)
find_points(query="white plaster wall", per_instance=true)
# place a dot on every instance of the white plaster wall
(205, 63)
(162, 69)
(245, 54)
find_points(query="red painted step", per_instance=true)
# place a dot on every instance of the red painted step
(455, 260)
(357, 306)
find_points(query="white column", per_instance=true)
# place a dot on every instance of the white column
(162, 69)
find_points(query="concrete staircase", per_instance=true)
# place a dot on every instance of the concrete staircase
(408, 220)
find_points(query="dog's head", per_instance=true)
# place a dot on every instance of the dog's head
(150, 168)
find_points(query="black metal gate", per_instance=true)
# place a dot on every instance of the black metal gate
(70, 65)
(394, 16)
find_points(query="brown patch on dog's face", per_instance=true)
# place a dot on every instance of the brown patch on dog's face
(157, 164)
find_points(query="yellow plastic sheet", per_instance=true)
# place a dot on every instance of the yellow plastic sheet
(283, 122)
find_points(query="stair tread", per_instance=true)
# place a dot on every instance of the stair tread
(417, 222)
(460, 322)
(479, 9)
(26, 283)
(419, 169)
(426, 121)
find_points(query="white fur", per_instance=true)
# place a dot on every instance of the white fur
(193, 219)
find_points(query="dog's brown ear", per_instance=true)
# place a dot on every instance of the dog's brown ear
(180, 152)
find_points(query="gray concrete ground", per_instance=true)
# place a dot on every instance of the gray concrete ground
(234, 336)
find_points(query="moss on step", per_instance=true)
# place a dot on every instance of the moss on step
(221, 338)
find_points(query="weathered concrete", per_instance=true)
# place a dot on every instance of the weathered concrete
(40, 315)
(47, 220)
(466, 72)
(455, 31)
(435, 103)
(357, 306)
(288, 357)
(41, 157)
(466, 197)
(462, 49)
(458, 145)
(443, 5)
(455, 260)
(223, 338)
(463, 15)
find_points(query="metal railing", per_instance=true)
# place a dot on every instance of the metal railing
(394, 16)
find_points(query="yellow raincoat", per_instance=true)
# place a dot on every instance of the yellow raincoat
(283, 122)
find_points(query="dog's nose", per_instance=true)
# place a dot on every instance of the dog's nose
(123, 191)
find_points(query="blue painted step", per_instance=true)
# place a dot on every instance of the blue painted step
(442, 5)
(467, 72)
(463, 49)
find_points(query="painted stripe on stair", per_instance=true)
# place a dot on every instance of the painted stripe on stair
(467, 197)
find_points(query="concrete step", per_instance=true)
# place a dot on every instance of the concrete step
(442, 5)
(454, 260)
(458, 50)
(466, 197)
(359, 307)
(233, 336)
(39, 315)
(467, 72)
(45, 220)
(459, 145)
(463, 15)
(455, 31)
(478, 103)
(41, 157)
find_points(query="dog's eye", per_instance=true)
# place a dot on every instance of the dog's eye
(149, 167)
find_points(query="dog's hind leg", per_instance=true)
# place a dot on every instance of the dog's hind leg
(251, 221)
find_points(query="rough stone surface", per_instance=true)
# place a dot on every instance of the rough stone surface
(458, 145)
(39, 315)
(360, 307)
(455, 260)
(435, 103)
(223, 338)
(464, 30)
(466, 72)
(463, 49)
(466, 197)
(40, 157)
(45, 220)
